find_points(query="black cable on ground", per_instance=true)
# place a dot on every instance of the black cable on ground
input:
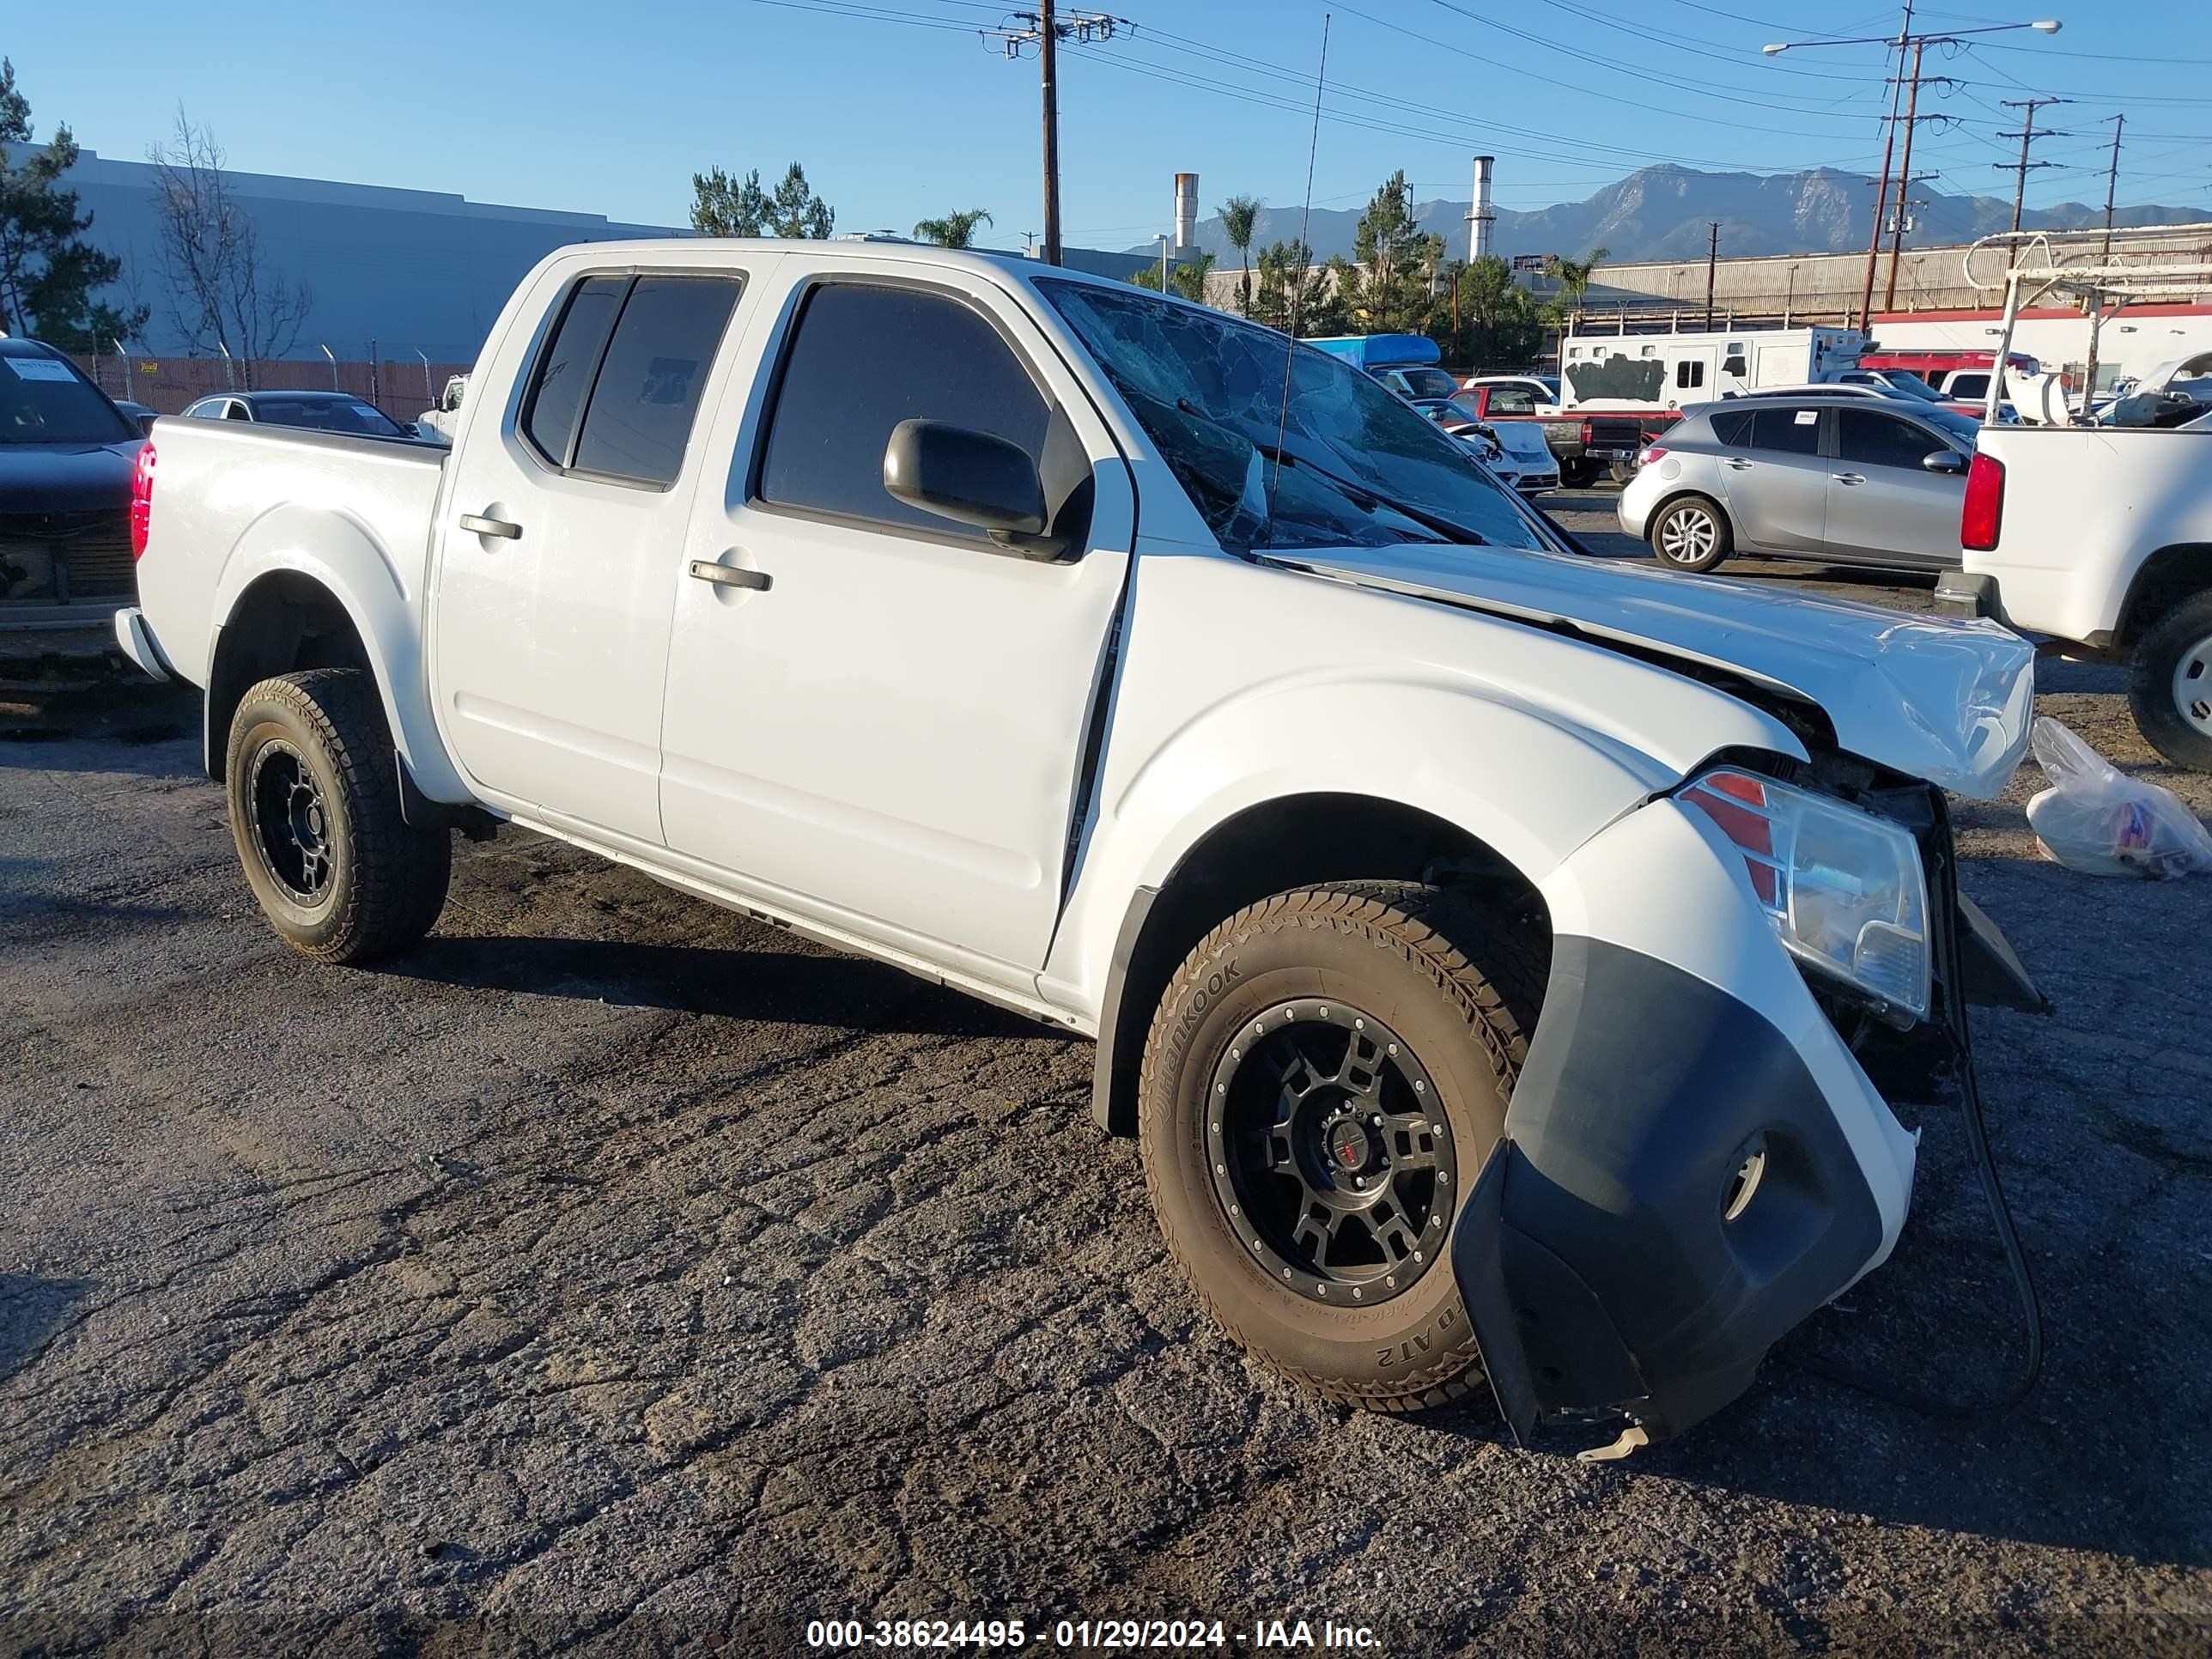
(1978, 1140)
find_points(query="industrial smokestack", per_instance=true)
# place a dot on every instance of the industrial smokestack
(1186, 219)
(1481, 217)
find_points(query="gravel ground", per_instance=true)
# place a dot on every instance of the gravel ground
(611, 1275)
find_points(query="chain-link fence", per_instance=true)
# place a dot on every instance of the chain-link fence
(402, 387)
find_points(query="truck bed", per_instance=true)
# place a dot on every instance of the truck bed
(226, 495)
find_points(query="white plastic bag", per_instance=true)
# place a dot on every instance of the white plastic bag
(2095, 818)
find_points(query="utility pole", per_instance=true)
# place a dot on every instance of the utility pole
(2026, 135)
(1881, 186)
(1045, 29)
(1049, 62)
(1904, 172)
(2112, 183)
(1712, 264)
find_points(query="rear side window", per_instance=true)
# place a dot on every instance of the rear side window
(1511, 400)
(1734, 428)
(1786, 431)
(1871, 439)
(647, 389)
(865, 356)
(1963, 386)
(565, 365)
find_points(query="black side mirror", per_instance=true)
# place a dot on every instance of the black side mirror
(411, 429)
(971, 477)
(1944, 460)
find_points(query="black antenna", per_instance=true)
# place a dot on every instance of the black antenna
(1298, 277)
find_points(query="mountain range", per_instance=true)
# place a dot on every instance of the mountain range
(1664, 213)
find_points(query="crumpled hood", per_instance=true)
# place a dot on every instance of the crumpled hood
(1948, 701)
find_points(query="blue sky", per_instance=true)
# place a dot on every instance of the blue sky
(899, 110)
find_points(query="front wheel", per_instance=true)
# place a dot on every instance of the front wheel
(2170, 689)
(313, 790)
(1325, 1075)
(1578, 474)
(1691, 533)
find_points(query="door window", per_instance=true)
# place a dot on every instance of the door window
(1964, 387)
(865, 356)
(1786, 431)
(1511, 400)
(1864, 438)
(1734, 428)
(567, 364)
(1689, 373)
(647, 389)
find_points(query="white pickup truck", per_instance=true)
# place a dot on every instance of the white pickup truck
(1493, 949)
(2100, 537)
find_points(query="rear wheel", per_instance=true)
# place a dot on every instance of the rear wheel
(314, 788)
(2170, 690)
(1324, 1079)
(1691, 533)
(1578, 474)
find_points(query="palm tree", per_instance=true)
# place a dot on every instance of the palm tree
(954, 229)
(1240, 223)
(1574, 277)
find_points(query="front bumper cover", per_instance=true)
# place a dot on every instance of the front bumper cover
(1596, 1254)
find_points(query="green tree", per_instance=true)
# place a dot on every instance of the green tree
(48, 272)
(1501, 325)
(1295, 295)
(1394, 262)
(1573, 276)
(954, 229)
(721, 205)
(1186, 280)
(1240, 223)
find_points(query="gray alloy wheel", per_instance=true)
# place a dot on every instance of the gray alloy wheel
(1692, 534)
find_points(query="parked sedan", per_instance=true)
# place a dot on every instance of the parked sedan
(1834, 479)
(318, 411)
(1514, 450)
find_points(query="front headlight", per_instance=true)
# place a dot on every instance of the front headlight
(1844, 889)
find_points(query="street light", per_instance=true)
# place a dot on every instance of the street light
(1919, 43)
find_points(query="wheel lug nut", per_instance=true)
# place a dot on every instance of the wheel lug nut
(1359, 1181)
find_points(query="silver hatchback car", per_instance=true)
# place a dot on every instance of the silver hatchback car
(1830, 479)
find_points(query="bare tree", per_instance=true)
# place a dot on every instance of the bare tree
(222, 295)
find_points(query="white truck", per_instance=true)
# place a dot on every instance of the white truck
(1655, 372)
(1492, 950)
(2100, 537)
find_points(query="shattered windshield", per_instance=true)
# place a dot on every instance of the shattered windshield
(1356, 466)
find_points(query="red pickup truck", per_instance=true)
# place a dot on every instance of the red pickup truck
(1584, 445)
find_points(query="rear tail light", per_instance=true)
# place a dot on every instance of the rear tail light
(142, 502)
(1586, 432)
(1983, 516)
(1649, 454)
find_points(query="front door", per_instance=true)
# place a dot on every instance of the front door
(558, 552)
(885, 729)
(1691, 377)
(1883, 503)
(1776, 480)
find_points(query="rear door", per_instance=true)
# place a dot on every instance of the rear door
(1693, 377)
(886, 732)
(1771, 470)
(558, 553)
(1882, 503)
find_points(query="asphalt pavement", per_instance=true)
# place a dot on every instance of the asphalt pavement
(612, 1275)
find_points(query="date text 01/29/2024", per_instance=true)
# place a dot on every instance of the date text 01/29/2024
(1290, 1635)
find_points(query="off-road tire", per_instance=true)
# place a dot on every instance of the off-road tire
(1724, 535)
(1460, 987)
(2178, 639)
(387, 879)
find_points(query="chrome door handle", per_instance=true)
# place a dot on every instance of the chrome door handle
(1736, 463)
(1850, 478)
(484, 526)
(730, 576)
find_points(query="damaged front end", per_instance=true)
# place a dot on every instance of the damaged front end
(1701, 1150)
